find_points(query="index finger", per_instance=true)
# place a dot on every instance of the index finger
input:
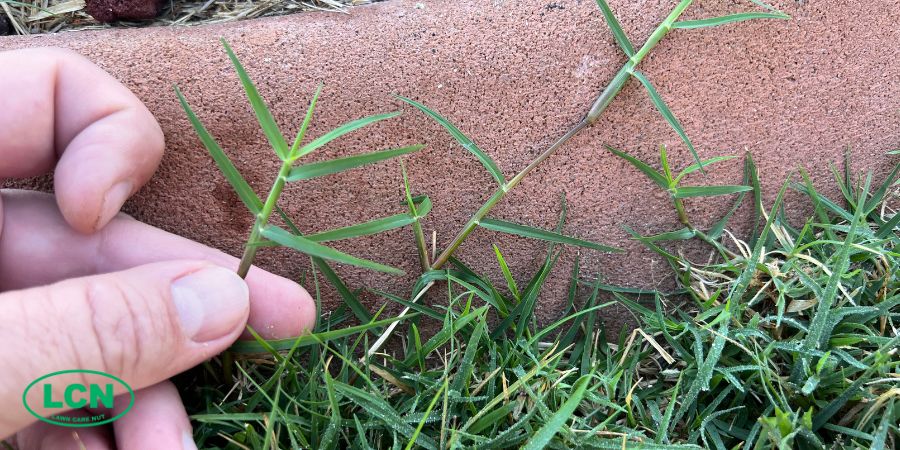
(58, 109)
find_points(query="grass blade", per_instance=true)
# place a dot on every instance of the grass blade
(730, 18)
(238, 183)
(263, 115)
(559, 419)
(322, 168)
(618, 33)
(311, 248)
(695, 167)
(463, 140)
(651, 173)
(346, 294)
(381, 409)
(510, 281)
(310, 339)
(816, 336)
(544, 235)
(708, 191)
(306, 121)
(363, 229)
(350, 299)
(667, 114)
(348, 127)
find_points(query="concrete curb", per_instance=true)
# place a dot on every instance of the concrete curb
(513, 75)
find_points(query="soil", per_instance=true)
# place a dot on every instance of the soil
(110, 10)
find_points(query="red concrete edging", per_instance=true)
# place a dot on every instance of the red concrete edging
(513, 75)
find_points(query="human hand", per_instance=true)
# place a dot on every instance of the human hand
(84, 287)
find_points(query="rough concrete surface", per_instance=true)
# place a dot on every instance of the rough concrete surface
(513, 75)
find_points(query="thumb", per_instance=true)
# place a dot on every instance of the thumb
(142, 325)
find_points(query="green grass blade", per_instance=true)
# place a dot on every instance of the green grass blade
(363, 229)
(331, 432)
(616, 28)
(463, 140)
(726, 19)
(677, 235)
(322, 168)
(651, 173)
(348, 127)
(350, 299)
(510, 281)
(311, 248)
(667, 114)
(542, 437)
(311, 339)
(695, 167)
(749, 179)
(306, 121)
(412, 441)
(263, 115)
(381, 409)
(708, 191)
(544, 235)
(816, 335)
(346, 294)
(238, 183)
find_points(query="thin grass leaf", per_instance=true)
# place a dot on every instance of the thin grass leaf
(678, 235)
(342, 130)
(350, 299)
(311, 248)
(328, 439)
(363, 229)
(238, 183)
(425, 310)
(708, 191)
(749, 178)
(263, 115)
(705, 163)
(322, 168)
(616, 28)
(542, 437)
(379, 408)
(412, 440)
(651, 173)
(510, 281)
(311, 339)
(463, 140)
(816, 336)
(544, 235)
(730, 18)
(625, 444)
(306, 121)
(667, 114)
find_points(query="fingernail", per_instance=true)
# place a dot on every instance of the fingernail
(114, 199)
(187, 441)
(211, 302)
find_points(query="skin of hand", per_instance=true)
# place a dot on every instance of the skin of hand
(83, 286)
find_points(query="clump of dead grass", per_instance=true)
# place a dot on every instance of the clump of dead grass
(51, 16)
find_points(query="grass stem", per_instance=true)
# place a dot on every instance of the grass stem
(262, 219)
(599, 105)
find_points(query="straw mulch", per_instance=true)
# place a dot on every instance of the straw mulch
(50, 16)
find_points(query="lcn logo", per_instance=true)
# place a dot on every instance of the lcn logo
(50, 394)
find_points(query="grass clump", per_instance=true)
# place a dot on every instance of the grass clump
(787, 339)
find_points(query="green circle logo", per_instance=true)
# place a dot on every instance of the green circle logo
(55, 395)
